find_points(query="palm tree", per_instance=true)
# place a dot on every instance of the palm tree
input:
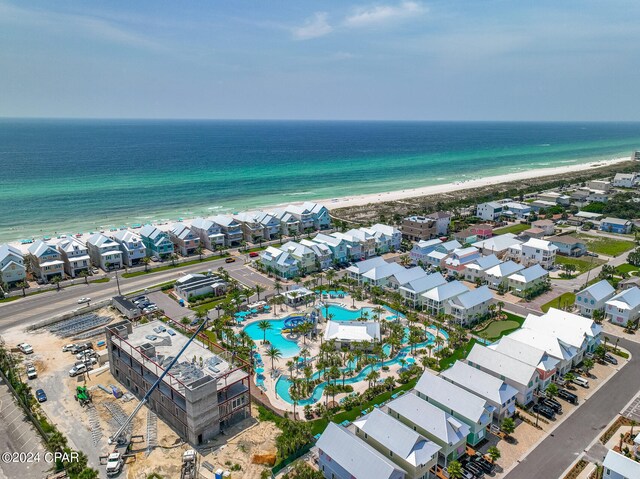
(455, 470)
(259, 289)
(264, 326)
(199, 251)
(277, 285)
(56, 280)
(372, 377)
(23, 285)
(85, 275)
(173, 257)
(146, 260)
(494, 453)
(273, 354)
(507, 426)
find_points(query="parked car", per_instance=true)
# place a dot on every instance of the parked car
(25, 348)
(544, 411)
(31, 372)
(155, 258)
(487, 467)
(610, 359)
(230, 260)
(79, 368)
(84, 300)
(87, 353)
(68, 347)
(580, 381)
(40, 395)
(81, 347)
(475, 469)
(567, 396)
(159, 329)
(553, 404)
(94, 270)
(140, 299)
(254, 254)
(171, 332)
(560, 381)
(467, 474)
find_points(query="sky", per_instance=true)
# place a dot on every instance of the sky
(332, 59)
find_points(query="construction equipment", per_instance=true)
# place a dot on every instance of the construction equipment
(114, 463)
(83, 396)
(117, 436)
(189, 468)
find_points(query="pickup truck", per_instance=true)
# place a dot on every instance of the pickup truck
(25, 348)
(31, 372)
(114, 464)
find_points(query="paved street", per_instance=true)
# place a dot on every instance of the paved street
(569, 440)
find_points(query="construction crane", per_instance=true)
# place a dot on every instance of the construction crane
(117, 436)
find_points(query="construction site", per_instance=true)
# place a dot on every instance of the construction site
(126, 432)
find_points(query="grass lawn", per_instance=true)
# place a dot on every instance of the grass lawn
(515, 229)
(627, 268)
(582, 265)
(459, 353)
(169, 266)
(101, 280)
(606, 246)
(498, 328)
(209, 305)
(562, 300)
(9, 299)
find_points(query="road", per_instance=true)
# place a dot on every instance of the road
(558, 451)
(38, 307)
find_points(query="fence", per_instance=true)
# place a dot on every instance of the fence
(292, 458)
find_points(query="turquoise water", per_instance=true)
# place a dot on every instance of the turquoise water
(274, 336)
(80, 175)
(343, 314)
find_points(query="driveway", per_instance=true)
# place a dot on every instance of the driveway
(170, 307)
(560, 449)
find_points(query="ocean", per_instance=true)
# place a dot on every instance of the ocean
(68, 176)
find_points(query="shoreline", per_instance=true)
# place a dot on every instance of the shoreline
(380, 197)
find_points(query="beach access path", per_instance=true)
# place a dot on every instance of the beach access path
(33, 309)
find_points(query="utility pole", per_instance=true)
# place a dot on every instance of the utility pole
(118, 283)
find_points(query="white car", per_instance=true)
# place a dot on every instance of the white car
(68, 347)
(85, 354)
(84, 300)
(31, 372)
(25, 348)
(77, 369)
(114, 464)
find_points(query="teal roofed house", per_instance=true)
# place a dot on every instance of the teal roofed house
(156, 241)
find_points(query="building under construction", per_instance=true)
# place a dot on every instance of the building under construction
(203, 393)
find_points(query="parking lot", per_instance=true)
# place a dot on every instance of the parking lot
(17, 434)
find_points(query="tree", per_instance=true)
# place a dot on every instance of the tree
(145, 261)
(88, 473)
(23, 285)
(85, 275)
(56, 280)
(372, 377)
(587, 365)
(259, 289)
(273, 354)
(569, 377)
(598, 316)
(494, 453)
(455, 470)
(199, 251)
(173, 257)
(552, 390)
(507, 426)
(264, 326)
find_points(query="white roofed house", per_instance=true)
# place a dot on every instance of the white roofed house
(404, 276)
(388, 238)
(435, 299)
(411, 451)
(496, 276)
(231, 230)
(289, 224)
(304, 216)
(75, 256)
(624, 307)
(338, 247)
(356, 270)
(474, 411)
(545, 364)
(104, 252)
(346, 333)
(535, 251)
(529, 281)
(470, 307)
(564, 353)
(498, 245)
(619, 466)
(443, 220)
(433, 423)
(456, 262)
(475, 270)
(12, 268)
(353, 245)
(625, 180)
(421, 249)
(132, 247)
(270, 224)
(594, 298)
(156, 241)
(412, 291)
(252, 227)
(191, 285)
(323, 255)
(366, 239)
(210, 233)
(320, 213)
(342, 455)
(380, 275)
(279, 262)
(304, 255)
(441, 251)
(185, 241)
(46, 261)
(522, 376)
(517, 210)
(495, 391)
(490, 211)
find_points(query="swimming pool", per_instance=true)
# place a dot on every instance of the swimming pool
(287, 347)
(339, 313)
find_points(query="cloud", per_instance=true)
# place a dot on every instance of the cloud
(380, 14)
(314, 27)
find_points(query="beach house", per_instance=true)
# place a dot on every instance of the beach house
(547, 226)
(191, 285)
(357, 270)
(365, 238)
(569, 245)
(449, 433)
(342, 455)
(323, 255)
(616, 225)
(499, 395)
(304, 216)
(412, 291)
(516, 210)
(46, 261)
(12, 269)
(421, 249)
(521, 376)
(304, 255)
(185, 241)
(380, 275)
(529, 281)
(482, 230)
(625, 180)
(594, 298)
(75, 255)
(619, 466)
(441, 251)
(534, 251)
(498, 245)
(536, 357)
(470, 307)
(557, 349)
(490, 211)
(270, 225)
(132, 247)
(289, 224)
(104, 252)
(388, 238)
(475, 270)
(465, 236)
(435, 299)
(419, 228)
(624, 307)
(404, 276)
(338, 246)
(601, 185)
(252, 228)
(346, 333)
(411, 451)
(210, 233)
(279, 262)
(319, 213)
(457, 260)
(156, 241)
(353, 245)
(472, 410)
(443, 220)
(231, 229)
(496, 277)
